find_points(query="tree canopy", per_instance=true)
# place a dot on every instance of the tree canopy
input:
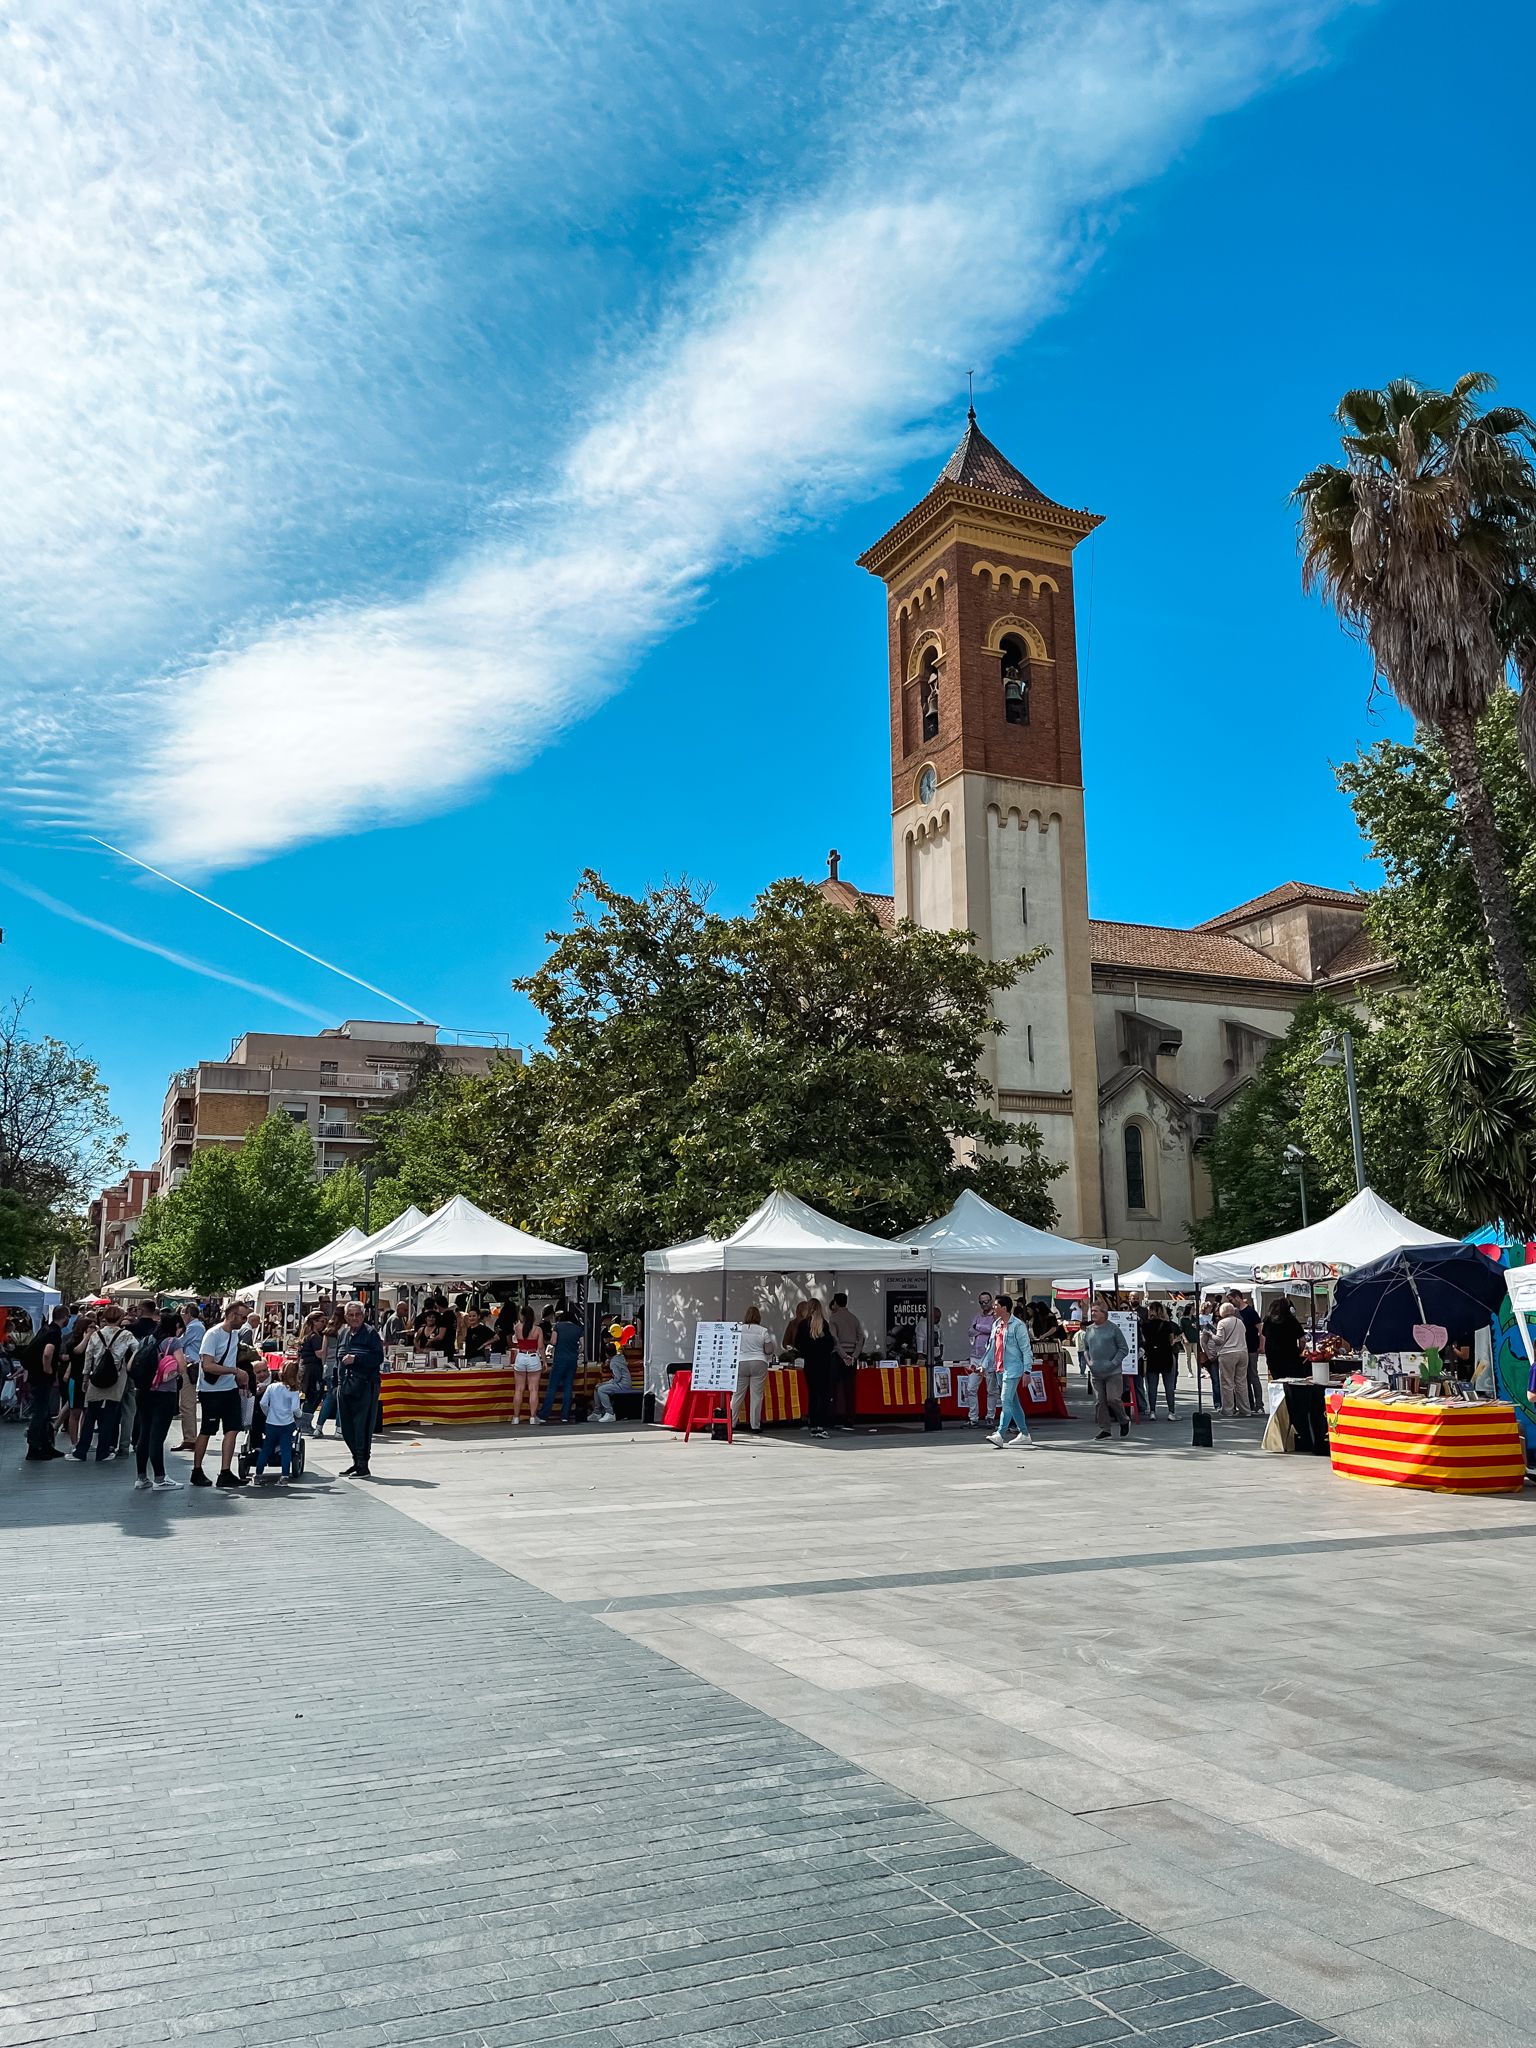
(694, 1062)
(235, 1213)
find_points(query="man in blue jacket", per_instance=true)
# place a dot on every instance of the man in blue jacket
(359, 1363)
(1012, 1356)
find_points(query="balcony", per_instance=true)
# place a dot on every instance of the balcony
(338, 1130)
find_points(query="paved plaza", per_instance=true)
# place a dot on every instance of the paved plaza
(597, 1738)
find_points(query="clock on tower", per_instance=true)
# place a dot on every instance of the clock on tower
(986, 776)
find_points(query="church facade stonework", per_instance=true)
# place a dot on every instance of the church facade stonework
(1125, 1042)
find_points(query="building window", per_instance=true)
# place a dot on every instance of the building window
(929, 695)
(1024, 905)
(1029, 1042)
(1135, 1169)
(1014, 656)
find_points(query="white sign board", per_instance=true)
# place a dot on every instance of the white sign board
(716, 1358)
(1520, 1281)
(1130, 1329)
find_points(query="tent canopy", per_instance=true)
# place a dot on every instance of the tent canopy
(1364, 1229)
(358, 1263)
(1154, 1277)
(975, 1237)
(320, 1265)
(787, 1235)
(461, 1242)
(32, 1295)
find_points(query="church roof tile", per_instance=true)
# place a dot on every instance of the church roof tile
(981, 466)
(1177, 952)
(844, 896)
(1279, 899)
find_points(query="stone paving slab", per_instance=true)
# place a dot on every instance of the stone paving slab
(289, 1770)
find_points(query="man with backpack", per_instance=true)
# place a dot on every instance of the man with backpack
(108, 1355)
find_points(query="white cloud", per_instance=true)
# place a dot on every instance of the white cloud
(786, 373)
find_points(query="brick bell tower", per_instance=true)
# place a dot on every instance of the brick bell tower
(987, 780)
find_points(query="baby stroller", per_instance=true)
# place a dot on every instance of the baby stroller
(245, 1457)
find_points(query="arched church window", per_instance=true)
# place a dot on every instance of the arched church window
(1135, 1168)
(930, 696)
(1015, 661)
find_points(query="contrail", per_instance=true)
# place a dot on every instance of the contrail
(110, 931)
(329, 965)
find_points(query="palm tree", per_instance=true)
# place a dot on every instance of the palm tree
(1421, 541)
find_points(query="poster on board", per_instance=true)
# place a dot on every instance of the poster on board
(1125, 1318)
(906, 1318)
(716, 1358)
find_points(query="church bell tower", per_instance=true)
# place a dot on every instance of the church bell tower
(987, 779)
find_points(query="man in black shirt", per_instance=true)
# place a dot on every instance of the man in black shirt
(43, 1359)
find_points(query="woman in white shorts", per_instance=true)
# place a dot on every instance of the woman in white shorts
(527, 1361)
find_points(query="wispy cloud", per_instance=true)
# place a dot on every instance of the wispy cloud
(950, 212)
(53, 905)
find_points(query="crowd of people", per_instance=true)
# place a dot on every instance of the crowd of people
(98, 1384)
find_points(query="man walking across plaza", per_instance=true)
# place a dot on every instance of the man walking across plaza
(43, 1359)
(191, 1350)
(218, 1396)
(1105, 1349)
(1012, 1357)
(359, 1364)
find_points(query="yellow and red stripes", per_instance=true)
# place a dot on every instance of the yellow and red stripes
(1442, 1446)
(447, 1396)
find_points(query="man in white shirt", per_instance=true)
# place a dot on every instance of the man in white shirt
(218, 1394)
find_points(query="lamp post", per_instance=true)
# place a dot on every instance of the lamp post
(1338, 1050)
(1296, 1162)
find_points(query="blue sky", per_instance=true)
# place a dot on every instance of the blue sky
(438, 442)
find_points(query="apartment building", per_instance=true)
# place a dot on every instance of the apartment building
(329, 1081)
(113, 1217)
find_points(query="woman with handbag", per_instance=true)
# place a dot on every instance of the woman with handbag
(158, 1406)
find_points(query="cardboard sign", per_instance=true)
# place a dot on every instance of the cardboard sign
(716, 1358)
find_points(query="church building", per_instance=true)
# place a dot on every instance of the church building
(1126, 1041)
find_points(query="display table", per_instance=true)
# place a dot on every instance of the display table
(480, 1394)
(882, 1393)
(1446, 1446)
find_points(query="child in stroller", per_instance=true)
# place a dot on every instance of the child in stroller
(272, 1433)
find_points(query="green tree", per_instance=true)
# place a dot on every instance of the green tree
(1293, 1101)
(1426, 918)
(346, 1199)
(1419, 541)
(59, 1140)
(235, 1213)
(695, 1062)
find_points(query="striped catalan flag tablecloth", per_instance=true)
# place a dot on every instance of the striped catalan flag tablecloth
(447, 1396)
(1449, 1447)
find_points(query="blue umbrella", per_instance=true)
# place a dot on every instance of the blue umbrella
(1377, 1305)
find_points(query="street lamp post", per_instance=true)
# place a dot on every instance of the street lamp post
(1296, 1162)
(1338, 1050)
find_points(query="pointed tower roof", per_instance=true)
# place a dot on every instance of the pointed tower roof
(980, 465)
(981, 489)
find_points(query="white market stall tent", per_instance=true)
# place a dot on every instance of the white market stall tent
(784, 1250)
(355, 1265)
(1156, 1276)
(314, 1268)
(460, 1242)
(1364, 1229)
(984, 1242)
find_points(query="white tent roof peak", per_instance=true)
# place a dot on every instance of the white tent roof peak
(786, 1235)
(315, 1265)
(977, 1237)
(1152, 1276)
(357, 1259)
(460, 1242)
(1365, 1228)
